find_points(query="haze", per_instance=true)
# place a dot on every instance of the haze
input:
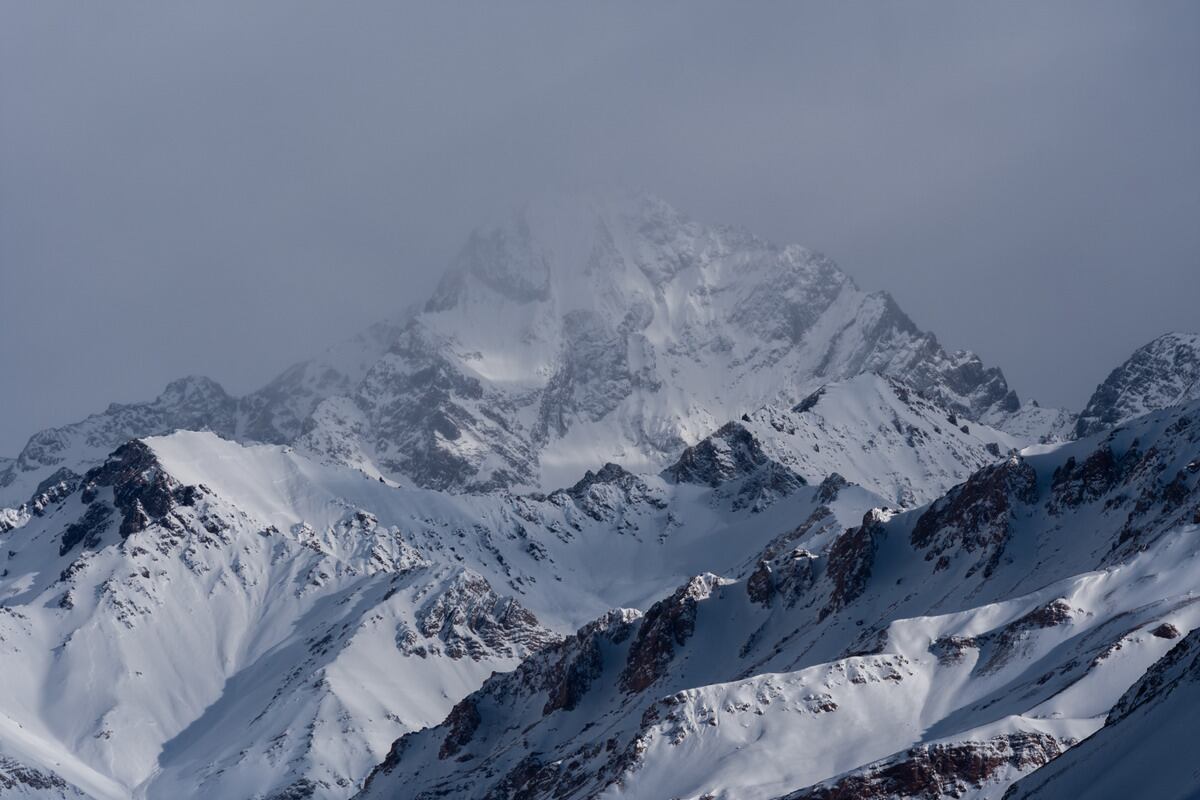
(224, 188)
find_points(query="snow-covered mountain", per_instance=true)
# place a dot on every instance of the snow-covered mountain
(876, 432)
(1164, 372)
(56, 454)
(588, 329)
(199, 615)
(273, 414)
(935, 653)
(596, 329)
(632, 507)
(328, 612)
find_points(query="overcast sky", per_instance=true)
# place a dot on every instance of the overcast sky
(224, 188)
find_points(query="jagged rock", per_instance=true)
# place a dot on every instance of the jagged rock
(1163, 373)
(22, 780)
(730, 453)
(851, 559)
(601, 495)
(787, 576)
(976, 516)
(667, 625)
(463, 721)
(88, 529)
(937, 771)
(472, 621)
(733, 454)
(141, 491)
(830, 488)
(1166, 631)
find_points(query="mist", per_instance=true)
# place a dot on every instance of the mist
(225, 188)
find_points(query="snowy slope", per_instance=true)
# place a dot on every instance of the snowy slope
(1163, 373)
(1142, 751)
(199, 615)
(958, 645)
(878, 433)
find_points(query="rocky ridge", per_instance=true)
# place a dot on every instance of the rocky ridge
(1027, 636)
(1164, 372)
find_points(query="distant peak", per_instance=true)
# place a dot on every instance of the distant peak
(192, 388)
(1160, 373)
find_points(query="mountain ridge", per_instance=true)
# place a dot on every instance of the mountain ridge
(587, 329)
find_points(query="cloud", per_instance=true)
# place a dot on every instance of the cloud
(223, 188)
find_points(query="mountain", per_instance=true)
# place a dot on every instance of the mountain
(876, 432)
(276, 413)
(273, 414)
(631, 507)
(586, 330)
(198, 615)
(328, 612)
(1163, 373)
(56, 454)
(940, 652)
(595, 329)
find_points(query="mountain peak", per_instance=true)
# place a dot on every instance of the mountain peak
(590, 327)
(1161, 373)
(608, 326)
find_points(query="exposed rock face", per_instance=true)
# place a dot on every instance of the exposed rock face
(733, 455)
(788, 577)
(603, 494)
(977, 516)
(1074, 484)
(462, 721)
(141, 491)
(852, 558)
(1163, 373)
(732, 452)
(472, 621)
(22, 780)
(667, 626)
(940, 771)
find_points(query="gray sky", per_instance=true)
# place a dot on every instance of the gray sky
(223, 188)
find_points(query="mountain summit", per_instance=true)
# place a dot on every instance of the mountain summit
(586, 329)
(614, 328)
(1163, 373)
